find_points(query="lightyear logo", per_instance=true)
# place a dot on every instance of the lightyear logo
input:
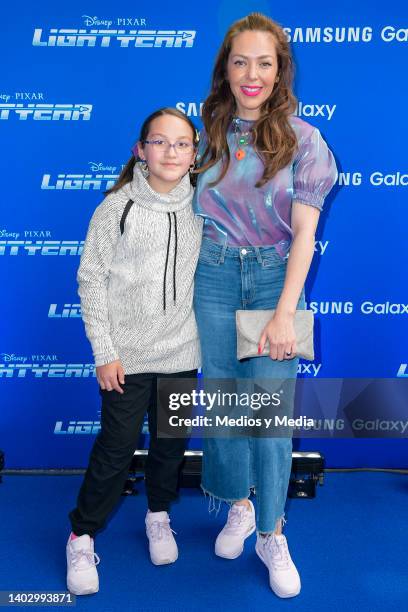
(41, 247)
(403, 371)
(69, 311)
(47, 370)
(103, 177)
(77, 427)
(46, 112)
(63, 37)
(96, 182)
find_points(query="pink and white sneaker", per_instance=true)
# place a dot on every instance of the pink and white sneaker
(82, 575)
(162, 545)
(284, 578)
(239, 526)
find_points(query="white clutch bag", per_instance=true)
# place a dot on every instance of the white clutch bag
(250, 324)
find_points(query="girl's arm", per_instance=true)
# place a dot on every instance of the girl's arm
(93, 277)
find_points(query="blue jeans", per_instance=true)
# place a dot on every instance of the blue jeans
(229, 279)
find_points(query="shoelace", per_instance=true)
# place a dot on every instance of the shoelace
(235, 518)
(279, 551)
(90, 556)
(158, 530)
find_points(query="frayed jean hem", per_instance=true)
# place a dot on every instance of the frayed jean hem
(214, 505)
(214, 502)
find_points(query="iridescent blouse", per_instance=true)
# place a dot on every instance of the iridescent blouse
(237, 213)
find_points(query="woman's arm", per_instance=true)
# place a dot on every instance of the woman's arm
(280, 330)
(304, 224)
(314, 174)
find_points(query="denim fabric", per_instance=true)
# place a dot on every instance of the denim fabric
(228, 279)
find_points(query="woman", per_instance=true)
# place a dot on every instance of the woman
(263, 177)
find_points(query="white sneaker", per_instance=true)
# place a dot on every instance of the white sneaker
(239, 526)
(283, 575)
(162, 545)
(82, 575)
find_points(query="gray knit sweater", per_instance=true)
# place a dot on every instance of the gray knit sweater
(136, 289)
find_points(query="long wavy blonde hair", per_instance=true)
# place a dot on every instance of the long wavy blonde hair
(274, 138)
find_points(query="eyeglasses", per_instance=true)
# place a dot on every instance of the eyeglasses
(181, 146)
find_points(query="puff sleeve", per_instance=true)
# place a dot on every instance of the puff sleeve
(314, 170)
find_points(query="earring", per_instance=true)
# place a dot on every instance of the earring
(191, 168)
(144, 168)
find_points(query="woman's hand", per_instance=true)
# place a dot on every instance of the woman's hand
(110, 375)
(280, 332)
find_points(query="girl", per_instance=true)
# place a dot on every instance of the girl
(263, 178)
(136, 288)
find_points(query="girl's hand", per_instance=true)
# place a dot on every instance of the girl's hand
(110, 375)
(280, 332)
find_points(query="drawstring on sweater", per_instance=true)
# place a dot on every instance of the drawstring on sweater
(167, 259)
(175, 257)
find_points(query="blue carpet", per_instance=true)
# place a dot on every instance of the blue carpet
(349, 545)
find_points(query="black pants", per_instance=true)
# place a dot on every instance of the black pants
(121, 422)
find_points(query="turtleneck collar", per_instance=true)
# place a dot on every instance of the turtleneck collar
(140, 192)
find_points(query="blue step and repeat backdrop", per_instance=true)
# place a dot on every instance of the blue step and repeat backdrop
(77, 80)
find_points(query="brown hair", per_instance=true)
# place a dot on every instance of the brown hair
(126, 175)
(274, 138)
